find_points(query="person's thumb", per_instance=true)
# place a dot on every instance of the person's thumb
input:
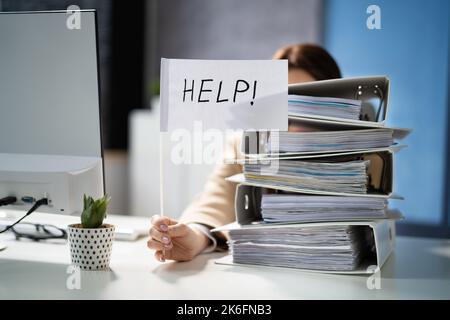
(162, 223)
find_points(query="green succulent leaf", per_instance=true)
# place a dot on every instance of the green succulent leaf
(94, 211)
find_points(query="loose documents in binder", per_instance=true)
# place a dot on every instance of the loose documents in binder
(368, 173)
(371, 91)
(256, 205)
(322, 247)
(299, 105)
(334, 247)
(318, 175)
(320, 141)
(288, 208)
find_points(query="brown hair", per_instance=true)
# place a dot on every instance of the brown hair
(311, 58)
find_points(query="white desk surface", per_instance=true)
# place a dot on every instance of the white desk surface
(419, 269)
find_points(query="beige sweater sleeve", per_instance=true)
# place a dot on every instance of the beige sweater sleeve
(214, 207)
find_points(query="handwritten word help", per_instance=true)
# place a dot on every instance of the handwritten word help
(208, 90)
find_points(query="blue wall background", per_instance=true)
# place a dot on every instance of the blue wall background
(412, 48)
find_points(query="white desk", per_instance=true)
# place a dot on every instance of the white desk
(419, 268)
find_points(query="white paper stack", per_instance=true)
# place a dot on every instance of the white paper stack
(289, 208)
(299, 105)
(319, 141)
(337, 248)
(349, 177)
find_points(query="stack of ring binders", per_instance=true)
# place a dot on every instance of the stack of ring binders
(316, 198)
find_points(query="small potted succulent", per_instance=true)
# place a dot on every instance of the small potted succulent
(91, 241)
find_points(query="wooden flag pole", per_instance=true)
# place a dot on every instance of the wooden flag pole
(161, 184)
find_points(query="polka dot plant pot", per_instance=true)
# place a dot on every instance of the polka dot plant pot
(90, 248)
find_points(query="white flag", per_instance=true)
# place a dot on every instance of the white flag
(224, 94)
